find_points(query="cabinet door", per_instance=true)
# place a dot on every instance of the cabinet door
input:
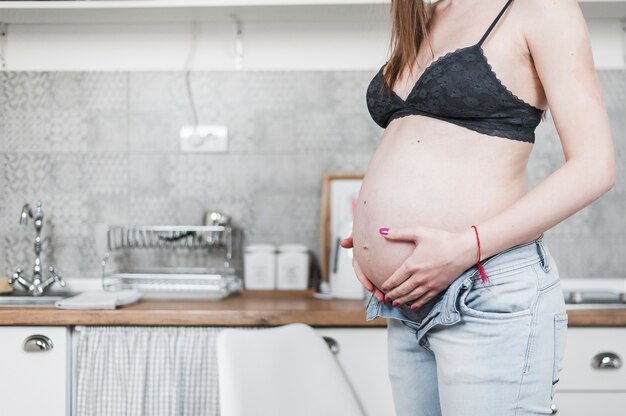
(589, 404)
(584, 348)
(33, 382)
(363, 357)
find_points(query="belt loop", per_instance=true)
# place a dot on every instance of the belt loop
(545, 259)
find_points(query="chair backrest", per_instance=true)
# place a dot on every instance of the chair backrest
(281, 371)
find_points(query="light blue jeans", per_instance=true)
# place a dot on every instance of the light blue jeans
(484, 349)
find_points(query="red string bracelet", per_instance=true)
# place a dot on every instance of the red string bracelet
(481, 269)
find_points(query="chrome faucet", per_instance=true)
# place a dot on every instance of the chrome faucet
(35, 287)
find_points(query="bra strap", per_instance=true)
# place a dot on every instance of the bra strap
(493, 24)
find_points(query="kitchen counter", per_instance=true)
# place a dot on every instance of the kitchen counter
(250, 308)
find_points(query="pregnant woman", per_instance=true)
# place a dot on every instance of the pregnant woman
(447, 236)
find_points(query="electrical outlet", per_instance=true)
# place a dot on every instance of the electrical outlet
(204, 138)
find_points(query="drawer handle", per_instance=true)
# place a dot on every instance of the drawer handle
(37, 343)
(607, 360)
(554, 409)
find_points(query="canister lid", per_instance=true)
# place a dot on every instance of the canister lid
(299, 248)
(260, 248)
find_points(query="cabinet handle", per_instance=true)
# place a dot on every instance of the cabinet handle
(554, 409)
(332, 344)
(37, 343)
(608, 360)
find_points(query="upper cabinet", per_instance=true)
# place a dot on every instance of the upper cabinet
(153, 10)
(187, 10)
(227, 34)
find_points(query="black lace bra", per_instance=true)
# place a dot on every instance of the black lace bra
(460, 87)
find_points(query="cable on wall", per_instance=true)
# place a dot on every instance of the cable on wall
(624, 40)
(3, 45)
(238, 47)
(187, 68)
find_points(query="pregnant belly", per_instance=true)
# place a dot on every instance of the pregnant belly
(445, 177)
(395, 202)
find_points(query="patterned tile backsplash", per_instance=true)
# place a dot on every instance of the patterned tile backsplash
(102, 147)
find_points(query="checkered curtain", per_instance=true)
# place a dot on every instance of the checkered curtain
(149, 371)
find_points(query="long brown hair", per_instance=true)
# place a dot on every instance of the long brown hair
(410, 22)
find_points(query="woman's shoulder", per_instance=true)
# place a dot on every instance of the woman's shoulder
(553, 11)
(542, 22)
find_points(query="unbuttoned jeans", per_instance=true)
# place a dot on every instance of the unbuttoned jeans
(484, 349)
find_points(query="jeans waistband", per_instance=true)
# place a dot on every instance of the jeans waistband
(515, 256)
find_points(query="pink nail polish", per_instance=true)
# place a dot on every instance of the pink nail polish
(384, 231)
(413, 307)
(395, 303)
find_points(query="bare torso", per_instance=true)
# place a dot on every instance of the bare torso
(433, 173)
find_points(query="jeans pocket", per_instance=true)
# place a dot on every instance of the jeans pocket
(560, 341)
(507, 295)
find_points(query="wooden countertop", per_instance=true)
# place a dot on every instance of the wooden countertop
(250, 308)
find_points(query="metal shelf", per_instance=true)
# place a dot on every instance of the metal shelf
(221, 244)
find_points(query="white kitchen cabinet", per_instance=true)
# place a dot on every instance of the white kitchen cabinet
(363, 357)
(590, 404)
(583, 344)
(583, 388)
(34, 382)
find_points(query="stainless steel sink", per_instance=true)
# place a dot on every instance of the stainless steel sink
(22, 299)
(595, 293)
(595, 304)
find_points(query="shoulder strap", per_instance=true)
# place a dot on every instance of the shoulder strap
(493, 24)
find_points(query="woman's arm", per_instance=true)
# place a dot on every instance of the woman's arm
(558, 42)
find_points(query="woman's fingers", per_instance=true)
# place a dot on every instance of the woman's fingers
(412, 295)
(407, 268)
(405, 288)
(347, 242)
(366, 282)
(423, 299)
(400, 275)
(402, 234)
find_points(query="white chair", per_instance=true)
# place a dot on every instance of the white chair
(287, 370)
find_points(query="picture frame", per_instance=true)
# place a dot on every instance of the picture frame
(337, 190)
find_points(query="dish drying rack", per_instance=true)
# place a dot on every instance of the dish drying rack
(214, 250)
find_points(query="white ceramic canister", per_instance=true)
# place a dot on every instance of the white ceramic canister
(292, 263)
(259, 267)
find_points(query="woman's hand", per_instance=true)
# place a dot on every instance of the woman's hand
(439, 258)
(348, 243)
